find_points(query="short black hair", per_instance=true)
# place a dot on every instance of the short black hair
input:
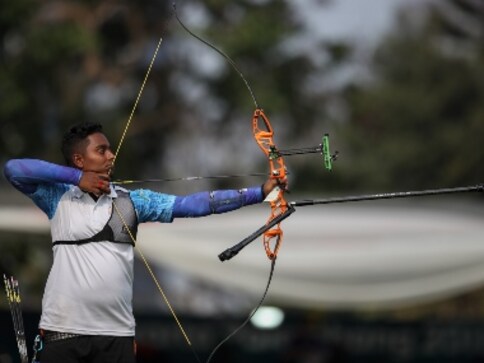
(75, 137)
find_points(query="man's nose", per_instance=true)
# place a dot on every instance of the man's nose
(110, 155)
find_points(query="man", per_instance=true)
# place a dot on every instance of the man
(87, 304)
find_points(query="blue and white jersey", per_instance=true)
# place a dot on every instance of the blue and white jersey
(89, 288)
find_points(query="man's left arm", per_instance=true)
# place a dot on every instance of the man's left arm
(151, 206)
(158, 207)
(215, 202)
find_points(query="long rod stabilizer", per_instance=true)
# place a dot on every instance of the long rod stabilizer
(393, 195)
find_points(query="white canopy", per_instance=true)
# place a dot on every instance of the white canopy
(333, 257)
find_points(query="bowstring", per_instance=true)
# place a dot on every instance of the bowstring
(133, 239)
(138, 97)
(157, 283)
(244, 323)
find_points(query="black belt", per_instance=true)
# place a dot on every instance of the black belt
(54, 336)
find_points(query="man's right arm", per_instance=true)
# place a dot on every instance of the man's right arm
(27, 174)
(41, 181)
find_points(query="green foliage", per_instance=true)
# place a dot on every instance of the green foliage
(420, 123)
(27, 257)
(13, 11)
(51, 45)
(34, 64)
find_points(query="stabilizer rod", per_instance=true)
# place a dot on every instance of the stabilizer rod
(394, 195)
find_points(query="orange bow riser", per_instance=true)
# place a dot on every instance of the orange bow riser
(263, 134)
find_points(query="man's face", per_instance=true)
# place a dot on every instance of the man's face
(96, 156)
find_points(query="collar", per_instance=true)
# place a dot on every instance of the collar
(78, 193)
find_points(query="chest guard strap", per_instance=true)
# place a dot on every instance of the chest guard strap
(114, 230)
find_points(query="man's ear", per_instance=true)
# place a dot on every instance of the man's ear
(78, 160)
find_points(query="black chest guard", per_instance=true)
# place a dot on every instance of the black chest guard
(115, 230)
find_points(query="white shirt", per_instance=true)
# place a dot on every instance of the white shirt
(89, 288)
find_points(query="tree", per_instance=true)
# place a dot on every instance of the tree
(420, 123)
(71, 61)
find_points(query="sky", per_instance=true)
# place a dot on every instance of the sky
(360, 24)
(361, 20)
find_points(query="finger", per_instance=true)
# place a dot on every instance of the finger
(282, 183)
(107, 189)
(103, 186)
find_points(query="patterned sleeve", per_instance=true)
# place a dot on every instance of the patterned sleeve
(27, 174)
(47, 197)
(151, 206)
(43, 182)
(157, 207)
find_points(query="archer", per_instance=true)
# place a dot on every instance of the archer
(87, 313)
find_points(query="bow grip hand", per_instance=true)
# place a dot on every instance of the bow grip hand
(272, 183)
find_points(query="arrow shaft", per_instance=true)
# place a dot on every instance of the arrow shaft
(187, 178)
(12, 290)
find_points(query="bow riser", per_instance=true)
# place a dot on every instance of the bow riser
(264, 136)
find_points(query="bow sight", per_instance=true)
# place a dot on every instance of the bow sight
(322, 149)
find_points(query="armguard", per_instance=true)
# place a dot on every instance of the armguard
(215, 202)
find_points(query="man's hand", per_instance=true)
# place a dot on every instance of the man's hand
(271, 183)
(96, 183)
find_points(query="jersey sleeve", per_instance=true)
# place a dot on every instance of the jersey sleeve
(43, 182)
(152, 206)
(47, 197)
(27, 174)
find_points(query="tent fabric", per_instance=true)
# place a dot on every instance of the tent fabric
(337, 257)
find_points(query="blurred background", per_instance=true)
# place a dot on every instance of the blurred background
(398, 85)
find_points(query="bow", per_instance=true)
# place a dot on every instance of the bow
(263, 133)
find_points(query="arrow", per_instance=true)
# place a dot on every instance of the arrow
(12, 291)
